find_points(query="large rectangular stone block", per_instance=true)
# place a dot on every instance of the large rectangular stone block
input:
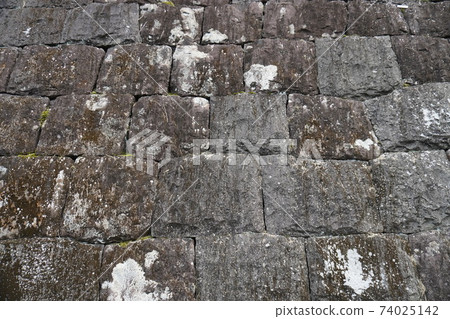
(429, 18)
(8, 58)
(44, 3)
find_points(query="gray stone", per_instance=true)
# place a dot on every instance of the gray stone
(413, 190)
(27, 26)
(448, 154)
(313, 197)
(86, 125)
(207, 70)
(362, 267)
(45, 3)
(280, 64)
(357, 67)
(49, 269)
(304, 19)
(414, 118)
(32, 195)
(431, 251)
(19, 123)
(53, 71)
(338, 128)
(178, 3)
(251, 267)
(164, 24)
(212, 197)
(107, 201)
(8, 58)
(429, 19)
(103, 24)
(138, 69)
(159, 269)
(233, 23)
(423, 59)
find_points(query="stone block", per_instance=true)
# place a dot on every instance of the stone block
(8, 58)
(429, 19)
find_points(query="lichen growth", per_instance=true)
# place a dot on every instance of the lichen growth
(29, 155)
(43, 117)
(169, 3)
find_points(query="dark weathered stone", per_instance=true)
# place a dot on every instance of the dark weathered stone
(338, 128)
(164, 24)
(46, 3)
(8, 58)
(32, 195)
(214, 197)
(233, 23)
(357, 67)
(319, 198)
(251, 267)
(103, 24)
(183, 119)
(49, 269)
(304, 19)
(369, 19)
(138, 69)
(51, 71)
(107, 201)
(207, 70)
(423, 59)
(150, 269)
(413, 190)
(177, 3)
(86, 125)
(20, 119)
(414, 118)
(431, 250)
(280, 64)
(429, 19)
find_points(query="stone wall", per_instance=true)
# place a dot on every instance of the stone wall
(359, 209)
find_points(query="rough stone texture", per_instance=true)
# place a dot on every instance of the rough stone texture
(304, 19)
(362, 267)
(31, 26)
(51, 71)
(107, 201)
(431, 250)
(234, 23)
(275, 65)
(211, 198)
(251, 267)
(183, 119)
(337, 127)
(413, 190)
(357, 67)
(177, 3)
(429, 19)
(43, 3)
(32, 195)
(207, 70)
(103, 24)
(414, 118)
(19, 123)
(423, 59)
(8, 58)
(138, 69)
(49, 269)
(160, 269)
(319, 198)
(86, 125)
(368, 19)
(164, 24)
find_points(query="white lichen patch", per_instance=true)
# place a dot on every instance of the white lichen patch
(367, 144)
(261, 76)
(188, 27)
(150, 258)
(214, 36)
(430, 117)
(3, 171)
(58, 194)
(187, 56)
(97, 103)
(291, 29)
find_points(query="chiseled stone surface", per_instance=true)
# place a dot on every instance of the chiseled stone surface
(19, 123)
(431, 251)
(304, 19)
(357, 67)
(413, 190)
(233, 23)
(93, 124)
(413, 118)
(149, 269)
(422, 58)
(338, 128)
(51, 71)
(279, 64)
(362, 267)
(207, 70)
(44, 3)
(313, 197)
(49, 269)
(107, 200)
(429, 18)
(8, 58)
(211, 198)
(32, 195)
(178, 3)
(138, 69)
(251, 267)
